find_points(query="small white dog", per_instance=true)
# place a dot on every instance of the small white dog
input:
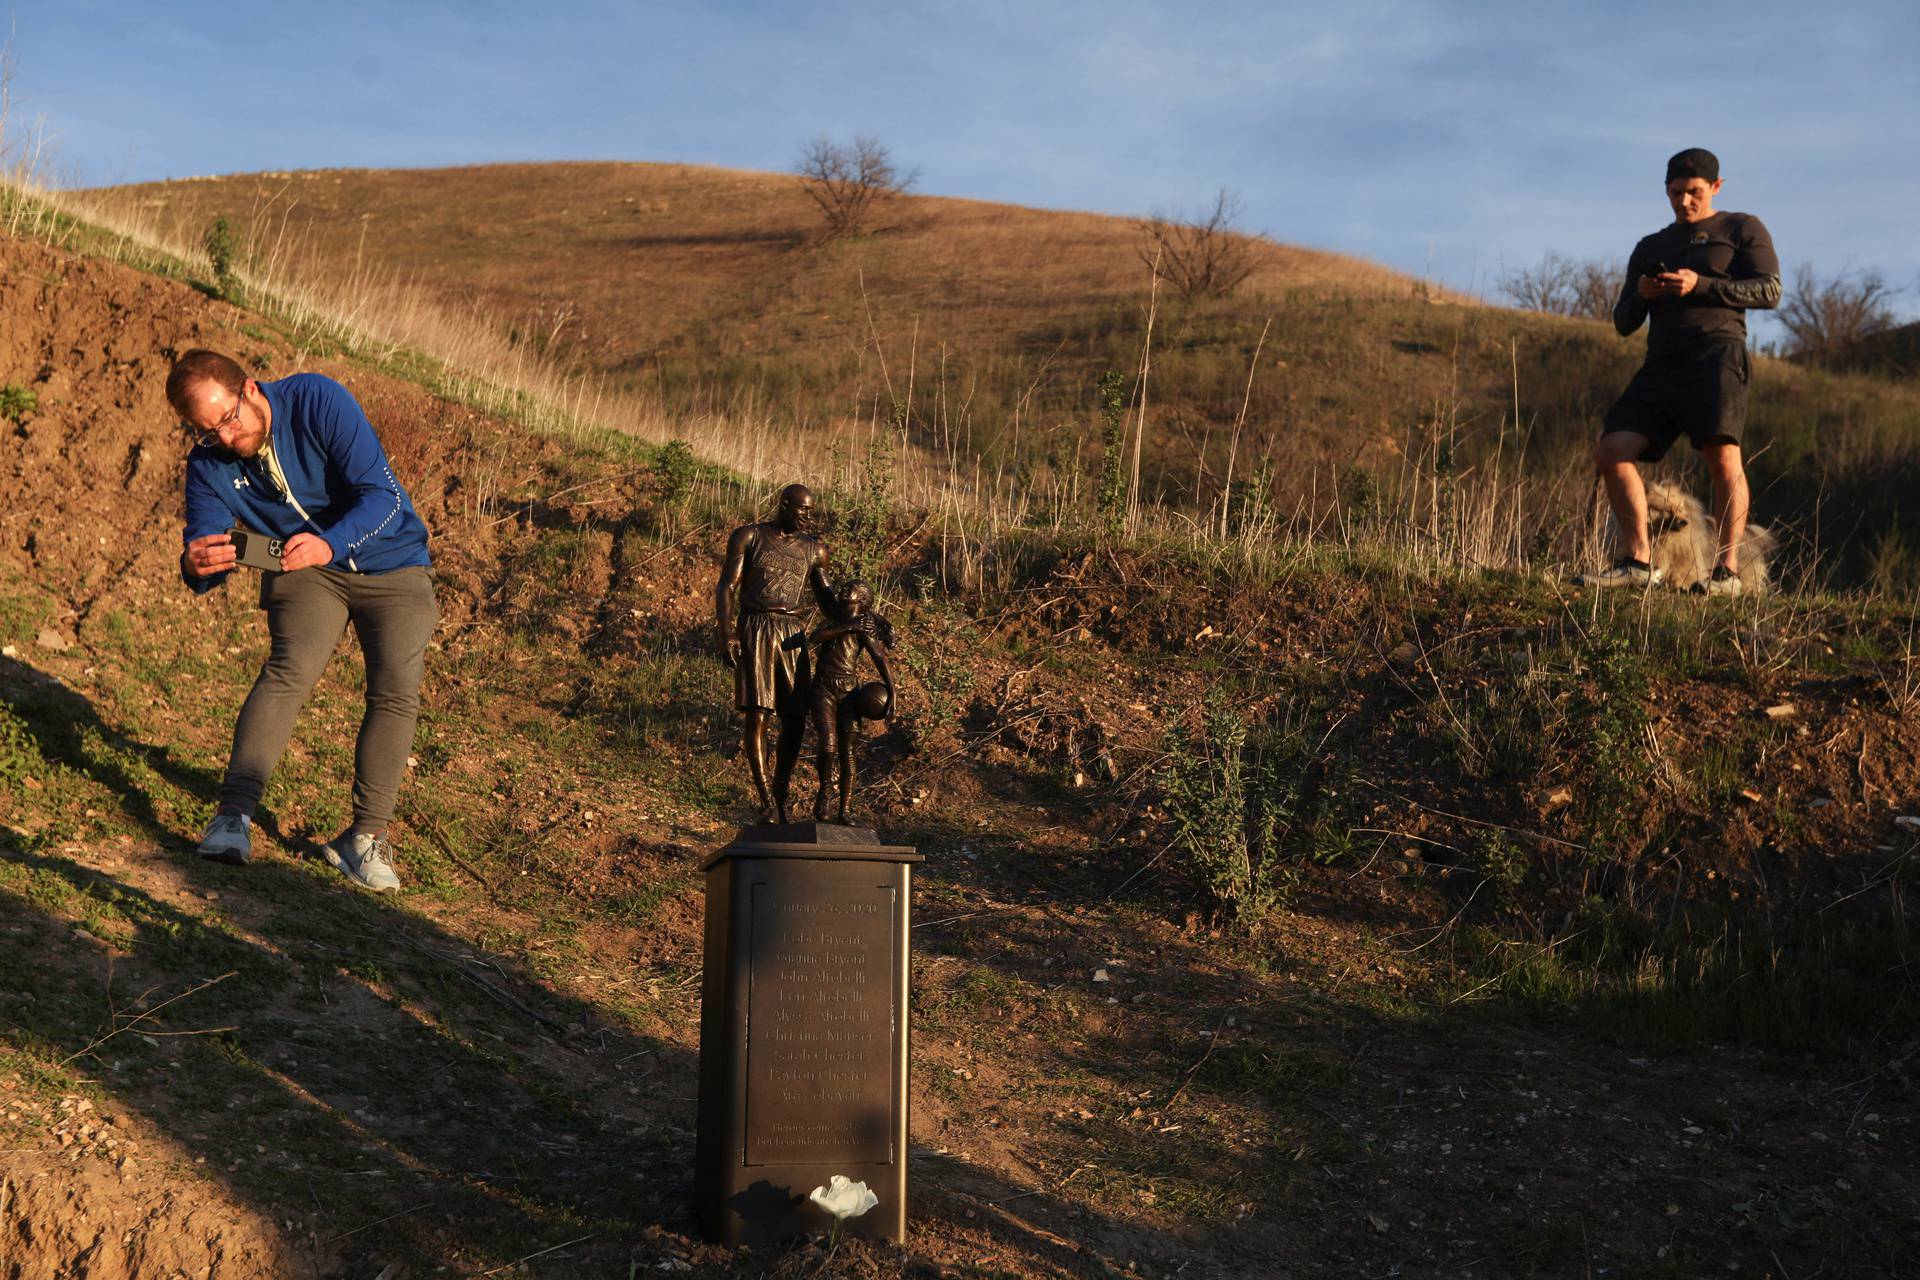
(1686, 540)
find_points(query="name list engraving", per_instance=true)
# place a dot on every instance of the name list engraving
(820, 1025)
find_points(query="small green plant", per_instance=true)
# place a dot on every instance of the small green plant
(16, 402)
(220, 248)
(1893, 562)
(985, 988)
(1270, 1071)
(1227, 815)
(1249, 509)
(1719, 771)
(928, 647)
(863, 511)
(1362, 500)
(642, 904)
(1615, 725)
(20, 756)
(1500, 860)
(1899, 678)
(1111, 498)
(1328, 842)
(1501, 726)
(674, 469)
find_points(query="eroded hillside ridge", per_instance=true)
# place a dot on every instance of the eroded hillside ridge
(95, 465)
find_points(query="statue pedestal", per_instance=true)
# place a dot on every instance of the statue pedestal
(803, 1031)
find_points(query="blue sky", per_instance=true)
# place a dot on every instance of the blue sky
(1450, 139)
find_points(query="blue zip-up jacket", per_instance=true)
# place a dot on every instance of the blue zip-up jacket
(342, 486)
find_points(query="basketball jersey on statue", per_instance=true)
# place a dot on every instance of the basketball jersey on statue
(776, 572)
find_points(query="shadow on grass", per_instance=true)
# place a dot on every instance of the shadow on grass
(369, 1060)
(385, 1089)
(390, 1066)
(367, 1054)
(790, 239)
(1283, 1119)
(48, 726)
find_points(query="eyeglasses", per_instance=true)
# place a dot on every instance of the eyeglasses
(210, 436)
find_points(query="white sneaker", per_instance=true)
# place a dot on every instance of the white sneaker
(1624, 572)
(366, 860)
(1724, 582)
(227, 839)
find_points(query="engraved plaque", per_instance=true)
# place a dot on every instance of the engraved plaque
(803, 1031)
(820, 1028)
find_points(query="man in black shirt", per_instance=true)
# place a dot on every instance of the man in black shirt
(1695, 278)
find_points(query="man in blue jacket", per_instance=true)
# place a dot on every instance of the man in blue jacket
(296, 459)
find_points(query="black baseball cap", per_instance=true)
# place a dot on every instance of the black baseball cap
(1694, 162)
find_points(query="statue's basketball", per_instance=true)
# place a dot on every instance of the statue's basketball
(871, 701)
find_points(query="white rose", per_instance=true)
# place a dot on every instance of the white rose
(843, 1199)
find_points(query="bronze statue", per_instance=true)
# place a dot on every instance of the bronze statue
(840, 701)
(772, 564)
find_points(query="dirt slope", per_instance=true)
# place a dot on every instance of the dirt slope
(94, 1220)
(1107, 1081)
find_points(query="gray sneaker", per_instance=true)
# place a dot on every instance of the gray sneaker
(366, 860)
(1624, 572)
(227, 839)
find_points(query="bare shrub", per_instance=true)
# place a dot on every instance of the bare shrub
(1203, 258)
(850, 182)
(1826, 320)
(1562, 286)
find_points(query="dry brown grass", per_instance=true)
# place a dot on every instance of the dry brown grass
(707, 290)
(679, 301)
(621, 260)
(670, 300)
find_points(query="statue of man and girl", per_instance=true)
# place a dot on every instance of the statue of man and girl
(783, 673)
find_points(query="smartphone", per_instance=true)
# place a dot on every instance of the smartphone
(257, 550)
(1659, 269)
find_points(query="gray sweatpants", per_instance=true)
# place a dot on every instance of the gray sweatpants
(394, 615)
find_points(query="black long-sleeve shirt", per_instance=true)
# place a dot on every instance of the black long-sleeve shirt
(1733, 256)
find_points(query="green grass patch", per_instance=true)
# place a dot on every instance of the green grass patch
(24, 609)
(640, 905)
(1270, 1072)
(1818, 988)
(1719, 771)
(17, 401)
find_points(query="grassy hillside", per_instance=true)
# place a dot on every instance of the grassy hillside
(983, 331)
(1895, 353)
(1525, 894)
(673, 271)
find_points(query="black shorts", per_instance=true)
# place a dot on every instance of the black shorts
(1702, 394)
